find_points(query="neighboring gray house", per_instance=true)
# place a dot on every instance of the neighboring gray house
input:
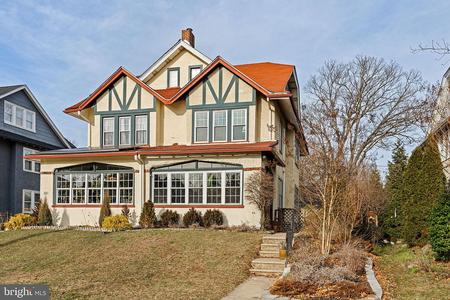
(25, 128)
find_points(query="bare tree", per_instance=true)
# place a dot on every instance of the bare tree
(355, 108)
(442, 48)
(259, 189)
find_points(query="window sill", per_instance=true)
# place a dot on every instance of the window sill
(199, 206)
(91, 205)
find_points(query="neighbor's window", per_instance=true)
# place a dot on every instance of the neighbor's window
(239, 124)
(141, 130)
(31, 199)
(108, 131)
(192, 183)
(194, 71)
(124, 130)
(18, 116)
(28, 164)
(173, 79)
(220, 126)
(201, 126)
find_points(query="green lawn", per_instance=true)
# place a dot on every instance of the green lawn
(145, 264)
(409, 274)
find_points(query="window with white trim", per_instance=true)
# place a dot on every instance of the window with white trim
(220, 126)
(31, 199)
(201, 121)
(239, 124)
(173, 79)
(108, 131)
(124, 130)
(19, 116)
(93, 183)
(197, 182)
(30, 165)
(141, 137)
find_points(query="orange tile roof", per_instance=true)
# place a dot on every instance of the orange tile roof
(169, 92)
(274, 77)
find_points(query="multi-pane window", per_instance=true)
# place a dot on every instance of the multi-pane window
(194, 71)
(214, 187)
(125, 130)
(233, 187)
(195, 188)
(198, 185)
(160, 188)
(28, 164)
(220, 125)
(93, 188)
(177, 187)
(239, 124)
(108, 131)
(201, 126)
(31, 199)
(141, 130)
(173, 79)
(19, 116)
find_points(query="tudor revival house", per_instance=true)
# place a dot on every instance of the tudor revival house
(185, 133)
(25, 128)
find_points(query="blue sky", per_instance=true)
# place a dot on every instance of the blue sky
(64, 49)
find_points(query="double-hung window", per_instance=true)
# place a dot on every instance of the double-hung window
(125, 131)
(239, 124)
(108, 131)
(31, 199)
(63, 188)
(141, 130)
(177, 187)
(220, 126)
(173, 77)
(201, 121)
(195, 188)
(94, 188)
(28, 164)
(160, 188)
(19, 116)
(78, 188)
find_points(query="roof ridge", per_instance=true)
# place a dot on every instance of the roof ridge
(265, 62)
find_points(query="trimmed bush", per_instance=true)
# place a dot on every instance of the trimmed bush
(169, 218)
(18, 221)
(148, 216)
(116, 223)
(192, 217)
(212, 217)
(105, 211)
(44, 215)
(35, 213)
(440, 227)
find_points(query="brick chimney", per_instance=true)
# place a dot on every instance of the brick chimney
(188, 36)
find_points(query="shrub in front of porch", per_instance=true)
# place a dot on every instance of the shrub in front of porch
(116, 223)
(44, 215)
(213, 217)
(18, 221)
(105, 211)
(148, 216)
(192, 217)
(170, 218)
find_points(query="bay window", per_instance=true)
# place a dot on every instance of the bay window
(220, 126)
(124, 130)
(141, 130)
(197, 182)
(93, 183)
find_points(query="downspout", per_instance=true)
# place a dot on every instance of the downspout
(140, 160)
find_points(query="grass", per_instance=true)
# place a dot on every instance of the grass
(412, 274)
(144, 264)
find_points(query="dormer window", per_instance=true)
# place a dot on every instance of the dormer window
(194, 71)
(173, 77)
(19, 116)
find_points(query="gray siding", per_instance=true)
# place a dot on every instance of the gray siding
(44, 132)
(5, 171)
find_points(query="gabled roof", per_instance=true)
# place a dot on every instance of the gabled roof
(9, 90)
(174, 49)
(169, 92)
(274, 77)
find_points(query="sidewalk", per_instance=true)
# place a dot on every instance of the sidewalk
(252, 288)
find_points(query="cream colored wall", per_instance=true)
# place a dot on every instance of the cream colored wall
(182, 60)
(176, 124)
(73, 216)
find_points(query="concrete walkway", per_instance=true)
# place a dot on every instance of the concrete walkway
(252, 288)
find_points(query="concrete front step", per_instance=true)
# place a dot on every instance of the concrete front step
(267, 273)
(276, 239)
(270, 247)
(274, 254)
(269, 264)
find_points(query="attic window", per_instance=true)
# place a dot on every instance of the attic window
(173, 77)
